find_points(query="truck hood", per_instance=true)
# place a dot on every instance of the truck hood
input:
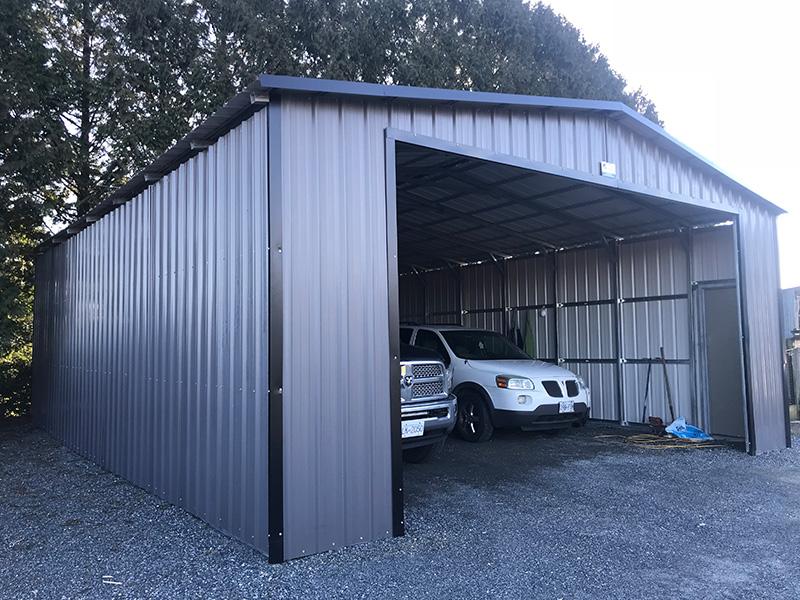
(532, 369)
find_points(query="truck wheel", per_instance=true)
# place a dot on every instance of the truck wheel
(418, 454)
(474, 423)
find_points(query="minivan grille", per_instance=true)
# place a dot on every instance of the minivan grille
(424, 370)
(427, 389)
(553, 389)
(572, 388)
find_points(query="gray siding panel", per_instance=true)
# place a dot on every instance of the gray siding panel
(759, 263)
(337, 475)
(151, 337)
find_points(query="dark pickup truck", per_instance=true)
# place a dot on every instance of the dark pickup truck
(427, 408)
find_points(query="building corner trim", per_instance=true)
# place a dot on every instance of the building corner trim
(275, 521)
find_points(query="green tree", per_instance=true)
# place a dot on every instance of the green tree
(32, 155)
(92, 90)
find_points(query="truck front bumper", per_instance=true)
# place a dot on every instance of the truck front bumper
(439, 417)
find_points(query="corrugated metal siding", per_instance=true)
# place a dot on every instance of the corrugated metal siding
(759, 243)
(483, 288)
(337, 455)
(530, 283)
(151, 337)
(656, 267)
(589, 332)
(443, 295)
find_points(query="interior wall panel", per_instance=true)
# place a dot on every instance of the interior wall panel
(443, 293)
(530, 281)
(635, 385)
(654, 267)
(412, 298)
(150, 349)
(601, 379)
(713, 254)
(587, 332)
(647, 326)
(535, 329)
(585, 274)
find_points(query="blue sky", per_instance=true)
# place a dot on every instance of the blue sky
(724, 76)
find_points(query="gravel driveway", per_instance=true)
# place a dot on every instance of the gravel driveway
(525, 516)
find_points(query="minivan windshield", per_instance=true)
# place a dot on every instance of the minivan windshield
(482, 345)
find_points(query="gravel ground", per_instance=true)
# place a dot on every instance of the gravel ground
(525, 516)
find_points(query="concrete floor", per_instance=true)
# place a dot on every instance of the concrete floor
(574, 515)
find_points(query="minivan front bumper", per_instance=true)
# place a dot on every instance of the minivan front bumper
(545, 416)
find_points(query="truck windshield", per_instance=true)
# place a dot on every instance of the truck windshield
(482, 345)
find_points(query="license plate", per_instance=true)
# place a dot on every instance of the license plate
(414, 428)
(566, 406)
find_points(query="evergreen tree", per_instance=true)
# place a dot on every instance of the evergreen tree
(92, 90)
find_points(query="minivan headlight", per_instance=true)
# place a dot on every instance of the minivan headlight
(513, 383)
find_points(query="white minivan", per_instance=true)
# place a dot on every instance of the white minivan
(498, 385)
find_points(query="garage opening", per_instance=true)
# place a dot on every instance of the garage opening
(594, 278)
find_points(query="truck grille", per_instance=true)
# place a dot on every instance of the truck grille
(427, 389)
(572, 388)
(423, 371)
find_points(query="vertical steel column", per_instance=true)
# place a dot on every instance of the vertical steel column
(698, 413)
(504, 309)
(554, 280)
(619, 377)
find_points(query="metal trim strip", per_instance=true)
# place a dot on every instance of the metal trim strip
(393, 282)
(275, 434)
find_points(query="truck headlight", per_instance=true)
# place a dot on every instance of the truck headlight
(581, 382)
(513, 383)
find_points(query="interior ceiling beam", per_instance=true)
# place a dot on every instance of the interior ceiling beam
(466, 186)
(457, 213)
(566, 220)
(466, 247)
(664, 212)
(465, 191)
(436, 173)
(415, 158)
(525, 200)
(537, 213)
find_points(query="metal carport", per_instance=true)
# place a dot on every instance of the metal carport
(222, 329)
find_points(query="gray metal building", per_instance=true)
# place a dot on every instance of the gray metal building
(223, 330)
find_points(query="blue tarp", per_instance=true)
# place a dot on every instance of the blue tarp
(680, 429)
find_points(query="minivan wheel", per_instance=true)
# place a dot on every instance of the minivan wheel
(474, 423)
